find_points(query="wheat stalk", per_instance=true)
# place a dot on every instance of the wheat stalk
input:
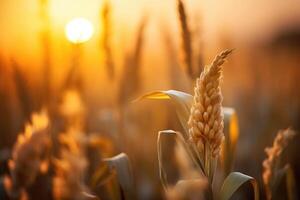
(271, 163)
(206, 119)
(106, 38)
(130, 79)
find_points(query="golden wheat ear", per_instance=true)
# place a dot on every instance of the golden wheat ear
(272, 172)
(186, 40)
(105, 42)
(206, 117)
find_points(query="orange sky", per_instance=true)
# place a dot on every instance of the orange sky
(20, 25)
(243, 21)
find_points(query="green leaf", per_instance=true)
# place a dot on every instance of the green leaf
(181, 100)
(233, 182)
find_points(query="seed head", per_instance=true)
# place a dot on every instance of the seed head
(206, 118)
(270, 164)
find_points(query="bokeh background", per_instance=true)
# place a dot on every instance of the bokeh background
(261, 78)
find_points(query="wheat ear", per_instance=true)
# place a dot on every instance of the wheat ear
(271, 163)
(206, 118)
(106, 38)
(187, 51)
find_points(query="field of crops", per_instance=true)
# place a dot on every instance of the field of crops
(149, 100)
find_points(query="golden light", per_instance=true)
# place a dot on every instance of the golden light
(79, 30)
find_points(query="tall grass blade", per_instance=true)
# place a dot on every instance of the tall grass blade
(233, 182)
(108, 187)
(170, 134)
(187, 50)
(106, 38)
(124, 174)
(130, 78)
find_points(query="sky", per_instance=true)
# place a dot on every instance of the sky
(243, 21)
(20, 24)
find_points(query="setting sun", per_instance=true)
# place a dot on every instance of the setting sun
(79, 30)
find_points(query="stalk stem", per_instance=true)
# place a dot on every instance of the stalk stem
(207, 166)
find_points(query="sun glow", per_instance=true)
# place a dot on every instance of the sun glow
(79, 30)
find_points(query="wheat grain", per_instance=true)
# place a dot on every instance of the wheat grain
(271, 163)
(206, 118)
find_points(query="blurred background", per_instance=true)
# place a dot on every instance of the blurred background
(136, 48)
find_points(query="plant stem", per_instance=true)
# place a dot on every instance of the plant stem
(208, 159)
(209, 193)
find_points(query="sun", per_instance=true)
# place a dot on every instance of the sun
(79, 30)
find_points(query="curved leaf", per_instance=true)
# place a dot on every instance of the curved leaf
(107, 187)
(233, 182)
(122, 166)
(181, 100)
(167, 134)
(162, 172)
(183, 103)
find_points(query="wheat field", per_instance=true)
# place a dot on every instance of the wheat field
(149, 100)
